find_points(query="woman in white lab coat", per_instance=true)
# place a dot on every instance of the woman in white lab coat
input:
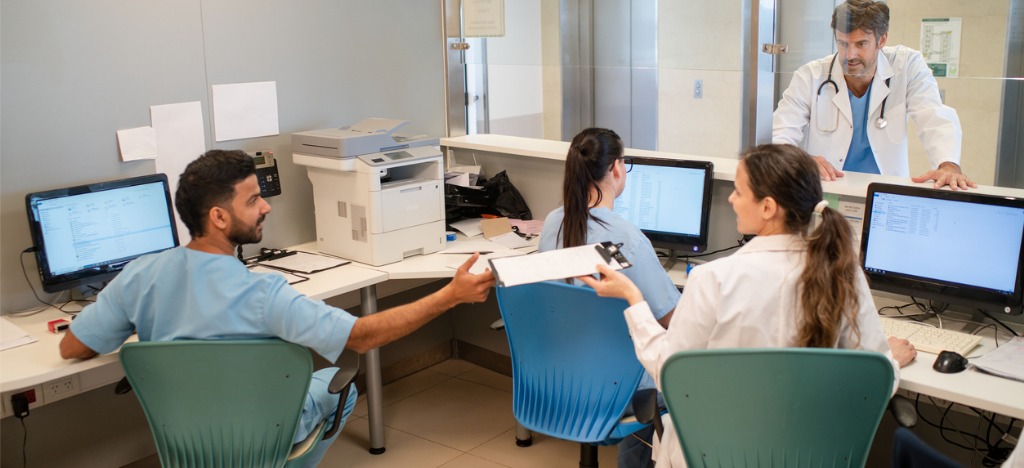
(786, 287)
(815, 112)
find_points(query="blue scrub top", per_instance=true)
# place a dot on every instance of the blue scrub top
(182, 294)
(860, 158)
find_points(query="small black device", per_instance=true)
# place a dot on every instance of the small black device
(950, 362)
(266, 173)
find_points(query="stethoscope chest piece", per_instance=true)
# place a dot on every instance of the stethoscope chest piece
(881, 122)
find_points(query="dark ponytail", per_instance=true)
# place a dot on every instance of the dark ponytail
(828, 292)
(591, 156)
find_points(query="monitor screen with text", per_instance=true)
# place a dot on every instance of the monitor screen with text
(88, 233)
(669, 200)
(944, 245)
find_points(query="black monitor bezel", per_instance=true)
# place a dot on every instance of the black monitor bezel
(56, 283)
(674, 241)
(938, 290)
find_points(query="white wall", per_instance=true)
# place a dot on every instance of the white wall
(514, 66)
(977, 93)
(699, 40)
(74, 72)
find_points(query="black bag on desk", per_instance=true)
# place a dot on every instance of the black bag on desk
(496, 197)
(505, 199)
(465, 202)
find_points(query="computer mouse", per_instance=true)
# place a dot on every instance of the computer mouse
(950, 362)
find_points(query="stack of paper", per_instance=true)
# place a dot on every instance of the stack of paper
(1004, 361)
(11, 336)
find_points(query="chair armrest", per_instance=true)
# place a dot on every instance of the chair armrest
(645, 409)
(339, 384)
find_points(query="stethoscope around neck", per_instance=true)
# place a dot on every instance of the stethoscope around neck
(880, 123)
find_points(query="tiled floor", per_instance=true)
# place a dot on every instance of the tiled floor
(452, 415)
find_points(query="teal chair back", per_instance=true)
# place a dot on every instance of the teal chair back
(220, 403)
(776, 407)
(574, 370)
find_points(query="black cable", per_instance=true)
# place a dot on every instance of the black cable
(941, 425)
(995, 331)
(24, 444)
(900, 308)
(24, 272)
(998, 321)
(687, 257)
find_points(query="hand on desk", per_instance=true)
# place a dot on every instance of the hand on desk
(826, 170)
(947, 174)
(902, 350)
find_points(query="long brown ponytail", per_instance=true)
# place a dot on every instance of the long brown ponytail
(828, 291)
(591, 156)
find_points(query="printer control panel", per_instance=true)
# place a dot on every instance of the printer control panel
(398, 156)
(384, 158)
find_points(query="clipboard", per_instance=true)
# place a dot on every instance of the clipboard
(557, 264)
(297, 261)
(291, 278)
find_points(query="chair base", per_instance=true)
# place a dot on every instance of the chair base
(524, 442)
(377, 451)
(588, 456)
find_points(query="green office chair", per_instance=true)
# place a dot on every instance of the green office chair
(776, 407)
(227, 403)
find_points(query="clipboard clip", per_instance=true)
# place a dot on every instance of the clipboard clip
(611, 251)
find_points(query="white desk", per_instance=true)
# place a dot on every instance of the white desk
(34, 364)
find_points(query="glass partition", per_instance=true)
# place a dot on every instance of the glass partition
(670, 75)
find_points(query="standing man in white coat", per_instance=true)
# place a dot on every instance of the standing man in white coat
(850, 110)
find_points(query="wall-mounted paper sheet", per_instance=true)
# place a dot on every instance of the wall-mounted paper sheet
(245, 110)
(180, 138)
(137, 143)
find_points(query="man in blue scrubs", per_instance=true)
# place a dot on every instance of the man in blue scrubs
(850, 110)
(202, 291)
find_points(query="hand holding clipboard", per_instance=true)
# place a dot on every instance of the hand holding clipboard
(557, 264)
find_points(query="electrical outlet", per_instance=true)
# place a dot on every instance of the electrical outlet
(60, 389)
(34, 394)
(698, 89)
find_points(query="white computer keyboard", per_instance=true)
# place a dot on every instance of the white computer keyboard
(928, 338)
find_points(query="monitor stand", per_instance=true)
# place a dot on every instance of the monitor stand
(672, 258)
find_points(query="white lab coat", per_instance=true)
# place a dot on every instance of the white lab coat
(746, 300)
(802, 116)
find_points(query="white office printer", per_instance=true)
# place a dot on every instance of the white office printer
(378, 196)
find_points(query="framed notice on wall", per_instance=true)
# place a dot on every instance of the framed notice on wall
(483, 18)
(940, 45)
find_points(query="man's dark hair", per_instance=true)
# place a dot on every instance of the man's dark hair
(207, 182)
(867, 15)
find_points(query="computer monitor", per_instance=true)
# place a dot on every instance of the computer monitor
(957, 247)
(669, 200)
(87, 234)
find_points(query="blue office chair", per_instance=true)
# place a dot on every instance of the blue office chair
(574, 371)
(227, 403)
(776, 407)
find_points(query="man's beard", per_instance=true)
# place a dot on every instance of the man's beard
(240, 235)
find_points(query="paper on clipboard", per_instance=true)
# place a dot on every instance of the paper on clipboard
(304, 262)
(557, 264)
